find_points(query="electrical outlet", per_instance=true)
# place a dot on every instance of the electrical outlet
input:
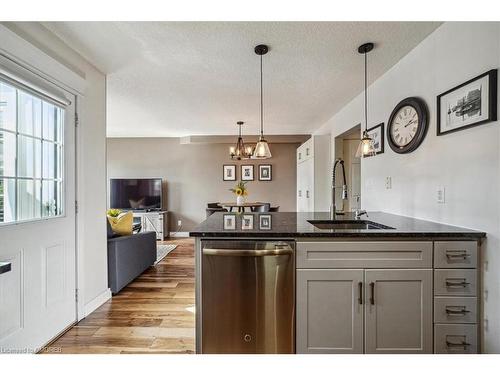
(440, 194)
(179, 223)
(388, 182)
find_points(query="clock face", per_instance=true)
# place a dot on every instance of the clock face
(407, 125)
(404, 126)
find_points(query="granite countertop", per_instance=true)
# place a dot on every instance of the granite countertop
(295, 224)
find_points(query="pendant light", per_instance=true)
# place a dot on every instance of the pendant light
(240, 151)
(366, 145)
(262, 147)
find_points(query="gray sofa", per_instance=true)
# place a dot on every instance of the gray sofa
(128, 257)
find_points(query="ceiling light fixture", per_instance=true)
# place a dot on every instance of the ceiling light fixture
(262, 147)
(366, 145)
(240, 151)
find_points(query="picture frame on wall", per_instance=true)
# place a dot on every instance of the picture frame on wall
(229, 221)
(265, 222)
(265, 172)
(377, 134)
(470, 104)
(247, 222)
(247, 173)
(229, 172)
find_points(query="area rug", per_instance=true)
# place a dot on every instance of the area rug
(162, 251)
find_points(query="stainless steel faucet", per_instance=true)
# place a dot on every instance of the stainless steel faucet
(333, 209)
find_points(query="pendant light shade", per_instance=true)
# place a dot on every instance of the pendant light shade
(262, 150)
(366, 144)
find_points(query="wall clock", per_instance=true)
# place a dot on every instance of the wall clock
(407, 125)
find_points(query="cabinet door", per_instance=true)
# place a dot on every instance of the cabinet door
(398, 311)
(300, 187)
(308, 179)
(329, 311)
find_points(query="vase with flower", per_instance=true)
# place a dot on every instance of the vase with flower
(241, 192)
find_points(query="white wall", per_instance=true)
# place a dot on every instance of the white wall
(91, 187)
(466, 163)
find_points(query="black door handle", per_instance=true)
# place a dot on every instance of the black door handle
(372, 293)
(360, 293)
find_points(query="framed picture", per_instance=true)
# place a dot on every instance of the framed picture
(229, 171)
(265, 222)
(265, 172)
(229, 221)
(377, 134)
(247, 173)
(470, 104)
(247, 222)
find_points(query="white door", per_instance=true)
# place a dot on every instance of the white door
(330, 311)
(37, 216)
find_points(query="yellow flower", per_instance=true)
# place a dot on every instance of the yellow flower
(238, 191)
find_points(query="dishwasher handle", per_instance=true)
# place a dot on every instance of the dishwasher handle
(282, 250)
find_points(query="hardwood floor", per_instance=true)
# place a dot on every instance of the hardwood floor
(153, 314)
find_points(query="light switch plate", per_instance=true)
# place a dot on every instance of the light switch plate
(440, 194)
(388, 182)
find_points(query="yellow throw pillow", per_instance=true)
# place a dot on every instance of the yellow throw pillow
(122, 225)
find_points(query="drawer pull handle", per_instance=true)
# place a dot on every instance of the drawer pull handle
(457, 283)
(456, 310)
(456, 345)
(360, 293)
(372, 293)
(457, 254)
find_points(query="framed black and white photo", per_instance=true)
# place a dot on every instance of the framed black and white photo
(470, 104)
(265, 222)
(265, 172)
(247, 173)
(377, 134)
(247, 222)
(229, 221)
(229, 172)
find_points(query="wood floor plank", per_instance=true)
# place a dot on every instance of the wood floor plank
(153, 314)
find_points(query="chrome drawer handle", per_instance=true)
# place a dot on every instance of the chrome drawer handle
(455, 345)
(457, 283)
(456, 310)
(457, 254)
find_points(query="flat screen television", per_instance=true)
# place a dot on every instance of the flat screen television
(135, 193)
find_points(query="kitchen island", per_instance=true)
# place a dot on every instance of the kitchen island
(298, 282)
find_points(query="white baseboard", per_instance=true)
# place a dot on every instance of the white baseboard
(179, 234)
(97, 302)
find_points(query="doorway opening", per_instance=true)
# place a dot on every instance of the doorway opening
(346, 145)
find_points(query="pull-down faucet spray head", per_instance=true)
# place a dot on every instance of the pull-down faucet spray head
(334, 187)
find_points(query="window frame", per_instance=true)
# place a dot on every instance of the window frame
(60, 163)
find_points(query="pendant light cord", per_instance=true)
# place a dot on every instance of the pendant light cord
(261, 102)
(366, 98)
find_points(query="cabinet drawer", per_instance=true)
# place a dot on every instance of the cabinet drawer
(455, 254)
(364, 254)
(455, 282)
(455, 338)
(455, 310)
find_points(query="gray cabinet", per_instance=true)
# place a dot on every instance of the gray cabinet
(398, 311)
(329, 311)
(364, 309)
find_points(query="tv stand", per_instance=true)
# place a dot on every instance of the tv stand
(154, 221)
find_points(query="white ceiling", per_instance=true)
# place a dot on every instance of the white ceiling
(189, 78)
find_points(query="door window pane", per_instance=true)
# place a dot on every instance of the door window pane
(27, 196)
(7, 154)
(30, 114)
(7, 200)
(51, 199)
(49, 122)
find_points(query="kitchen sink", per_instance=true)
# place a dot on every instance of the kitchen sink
(347, 224)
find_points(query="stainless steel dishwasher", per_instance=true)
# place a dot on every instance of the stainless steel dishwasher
(248, 292)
